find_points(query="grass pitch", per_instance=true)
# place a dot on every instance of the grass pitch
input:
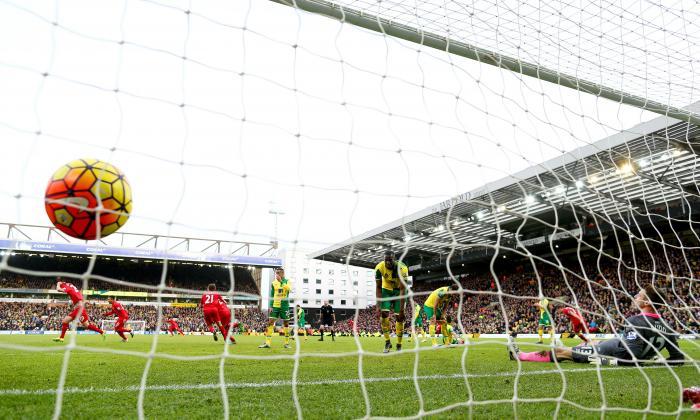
(103, 384)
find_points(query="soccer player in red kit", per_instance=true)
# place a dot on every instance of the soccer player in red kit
(78, 310)
(225, 318)
(578, 324)
(122, 316)
(210, 307)
(172, 327)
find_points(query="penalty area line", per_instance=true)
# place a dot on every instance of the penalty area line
(285, 383)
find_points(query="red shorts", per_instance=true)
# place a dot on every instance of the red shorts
(82, 313)
(577, 327)
(120, 323)
(225, 317)
(172, 327)
(211, 315)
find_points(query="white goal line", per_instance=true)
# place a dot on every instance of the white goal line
(284, 383)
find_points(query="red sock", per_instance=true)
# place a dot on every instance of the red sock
(95, 328)
(121, 334)
(64, 328)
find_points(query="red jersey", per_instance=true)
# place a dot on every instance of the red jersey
(71, 290)
(574, 315)
(222, 307)
(118, 310)
(172, 323)
(212, 300)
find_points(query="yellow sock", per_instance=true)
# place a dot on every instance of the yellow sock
(268, 334)
(399, 332)
(386, 324)
(540, 331)
(431, 329)
(286, 335)
(443, 329)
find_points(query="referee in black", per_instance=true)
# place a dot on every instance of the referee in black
(327, 320)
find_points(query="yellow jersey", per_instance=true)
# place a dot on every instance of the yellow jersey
(438, 298)
(391, 278)
(544, 307)
(280, 293)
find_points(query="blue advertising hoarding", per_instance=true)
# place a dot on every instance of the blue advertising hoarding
(156, 254)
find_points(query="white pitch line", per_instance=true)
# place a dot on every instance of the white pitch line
(242, 385)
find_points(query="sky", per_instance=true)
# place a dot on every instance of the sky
(215, 114)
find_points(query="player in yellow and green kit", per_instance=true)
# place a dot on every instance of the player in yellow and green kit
(279, 308)
(545, 319)
(418, 323)
(391, 282)
(434, 308)
(301, 321)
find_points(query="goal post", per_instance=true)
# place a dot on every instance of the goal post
(137, 326)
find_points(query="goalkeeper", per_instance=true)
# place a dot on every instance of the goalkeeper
(645, 335)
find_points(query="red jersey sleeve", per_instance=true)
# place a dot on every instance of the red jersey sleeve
(71, 291)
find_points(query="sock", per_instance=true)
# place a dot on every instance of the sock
(582, 337)
(540, 331)
(286, 335)
(551, 334)
(534, 356)
(431, 329)
(399, 332)
(64, 328)
(443, 329)
(268, 334)
(385, 328)
(333, 334)
(95, 328)
(180, 331)
(121, 334)
(321, 335)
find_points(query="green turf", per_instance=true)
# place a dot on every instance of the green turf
(327, 387)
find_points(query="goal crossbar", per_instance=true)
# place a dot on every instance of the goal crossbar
(446, 44)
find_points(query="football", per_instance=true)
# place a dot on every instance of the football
(88, 199)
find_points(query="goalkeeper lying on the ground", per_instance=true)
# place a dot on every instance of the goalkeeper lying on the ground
(644, 337)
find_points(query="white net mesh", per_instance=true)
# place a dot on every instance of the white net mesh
(214, 110)
(138, 327)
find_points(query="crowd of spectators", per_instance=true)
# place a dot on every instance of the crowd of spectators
(43, 316)
(601, 287)
(498, 300)
(242, 284)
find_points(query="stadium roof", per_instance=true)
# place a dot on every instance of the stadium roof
(629, 174)
(48, 240)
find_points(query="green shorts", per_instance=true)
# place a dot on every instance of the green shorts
(418, 322)
(429, 312)
(545, 321)
(279, 313)
(388, 305)
(301, 322)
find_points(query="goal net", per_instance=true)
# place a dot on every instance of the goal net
(540, 157)
(136, 326)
